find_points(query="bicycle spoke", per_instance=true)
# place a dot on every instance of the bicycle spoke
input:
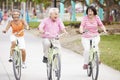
(56, 68)
(17, 65)
(49, 71)
(95, 67)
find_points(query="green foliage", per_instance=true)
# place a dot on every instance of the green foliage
(41, 1)
(116, 1)
(75, 24)
(34, 24)
(110, 50)
(22, 0)
(46, 4)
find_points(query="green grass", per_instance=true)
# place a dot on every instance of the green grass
(66, 23)
(71, 23)
(110, 50)
(34, 24)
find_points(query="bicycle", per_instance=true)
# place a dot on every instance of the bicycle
(17, 61)
(54, 61)
(93, 65)
(16, 55)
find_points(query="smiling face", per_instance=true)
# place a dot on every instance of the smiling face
(90, 13)
(53, 13)
(54, 16)
(15, 15)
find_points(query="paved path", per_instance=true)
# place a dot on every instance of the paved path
(36, 70)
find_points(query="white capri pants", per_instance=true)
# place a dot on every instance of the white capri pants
(46, 45)
(86, 46)
(20, 40)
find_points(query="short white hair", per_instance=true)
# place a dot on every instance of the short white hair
(53, 10)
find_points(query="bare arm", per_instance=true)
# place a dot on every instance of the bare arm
(7, 27)
(104, 29)
(64, 31)
(81, 29)
(62, 27)
(41, 30)
(25, 24)
(41, 26)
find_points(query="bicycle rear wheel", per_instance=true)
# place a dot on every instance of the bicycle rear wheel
(17, 65)
(95, 66)
(56, 67)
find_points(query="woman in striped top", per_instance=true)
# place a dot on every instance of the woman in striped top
(89, 29)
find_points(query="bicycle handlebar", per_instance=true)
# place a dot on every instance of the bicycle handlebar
(56, 37)
(101, 32)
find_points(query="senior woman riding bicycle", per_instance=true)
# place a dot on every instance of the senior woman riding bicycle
(89, 29)
(50, 27)
(17, 25)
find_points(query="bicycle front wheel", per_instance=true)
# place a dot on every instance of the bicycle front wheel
(89, 70)
(17, 65)
(95, 66)
(49, 69)
(56, 67)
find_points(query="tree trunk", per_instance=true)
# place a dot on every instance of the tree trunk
(106, 15)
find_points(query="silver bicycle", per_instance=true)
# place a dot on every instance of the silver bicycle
(54, 61)
(17, 61)
(93, 65)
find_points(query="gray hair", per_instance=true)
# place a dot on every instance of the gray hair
(53, 10)
(16, 10)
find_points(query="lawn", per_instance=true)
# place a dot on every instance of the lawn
(34, 24)
(110, 50)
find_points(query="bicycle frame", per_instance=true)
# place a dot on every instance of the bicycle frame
(52, 50)
(92, 50)
(54, 63)
(17, 48)
(93, 65)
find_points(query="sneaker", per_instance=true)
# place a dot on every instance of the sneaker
(10, 59)
(45, 59)
(24, 65)
(85, 66)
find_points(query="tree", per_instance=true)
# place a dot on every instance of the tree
(108, 6)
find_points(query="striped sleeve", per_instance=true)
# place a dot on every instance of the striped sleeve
(83, 22)
(99, 21)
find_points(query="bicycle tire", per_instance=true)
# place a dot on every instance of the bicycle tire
(49, 67)
(89, 70)
(56, 67)
(17, 65)
(95, 66)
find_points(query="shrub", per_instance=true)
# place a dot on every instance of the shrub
(34, 24)
(75, 24)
